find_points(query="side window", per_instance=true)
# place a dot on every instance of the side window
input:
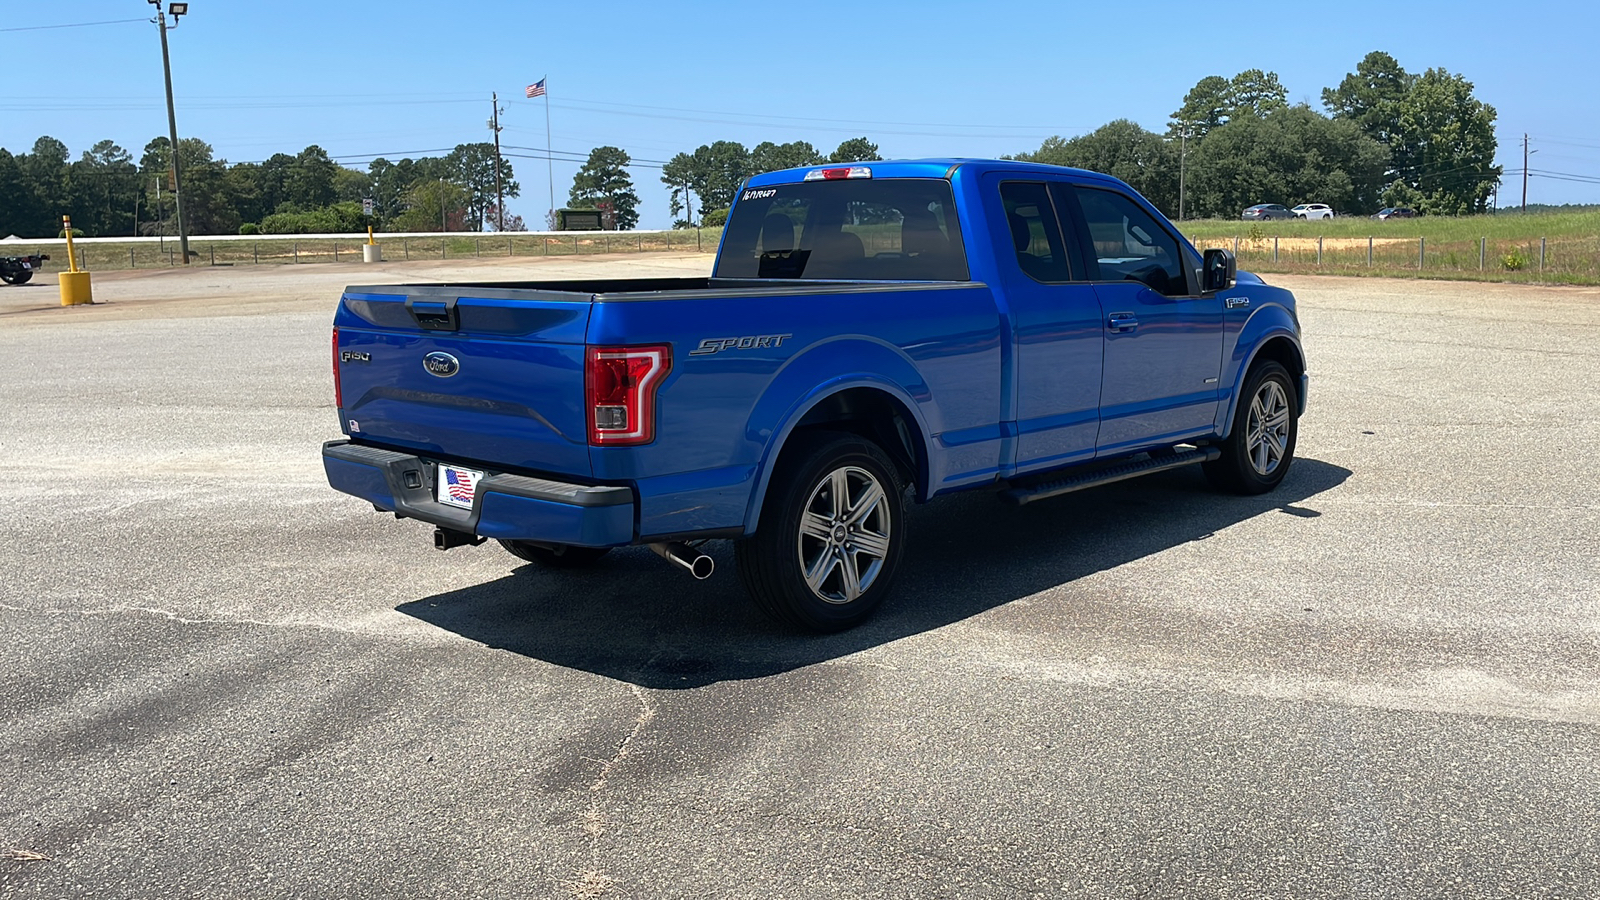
(1130, 245)
(1035, 234)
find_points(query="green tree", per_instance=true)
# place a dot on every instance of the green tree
(679, 176)
(351, 185)
(104, 185)
(1371, 95)
(46, 178)
(435, 204)
(1123, 150)
(472, 167)
(855, 150)
(721, 167)
(310, 182)
(209, 205)
(1207, 106)
(770, 157)
(1290, 155)
(17, 210)
(1443, 147)
(1256, 93)
(604, 179)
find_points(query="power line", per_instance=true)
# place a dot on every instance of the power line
(75, 25)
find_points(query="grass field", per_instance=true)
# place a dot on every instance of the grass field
(1557, 247)
(1554, 248)
(274, 250)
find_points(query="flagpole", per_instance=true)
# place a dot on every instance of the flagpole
(549, 162)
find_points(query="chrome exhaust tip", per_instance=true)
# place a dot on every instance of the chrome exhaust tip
(686, 558)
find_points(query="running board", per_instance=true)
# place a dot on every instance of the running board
(1120, 472)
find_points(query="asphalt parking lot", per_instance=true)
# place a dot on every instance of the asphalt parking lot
(220, 678)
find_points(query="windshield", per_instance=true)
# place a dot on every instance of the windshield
(891, 229)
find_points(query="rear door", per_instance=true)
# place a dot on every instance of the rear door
(467, 374)
(1056, 317)
(1163, 339)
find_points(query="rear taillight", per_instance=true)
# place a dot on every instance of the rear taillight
(338, 390)
(620, 392)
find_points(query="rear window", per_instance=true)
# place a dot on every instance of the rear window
(891, 229)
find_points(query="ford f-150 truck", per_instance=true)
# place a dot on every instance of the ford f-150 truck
(867, 331)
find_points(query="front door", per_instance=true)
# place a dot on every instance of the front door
(1163, 339)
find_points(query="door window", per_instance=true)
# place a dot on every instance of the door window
(1130, 245)
(1035, 234)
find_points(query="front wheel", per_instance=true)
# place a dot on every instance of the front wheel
(830, 537)
(21, 276)
(1257, 453)
(559, 556)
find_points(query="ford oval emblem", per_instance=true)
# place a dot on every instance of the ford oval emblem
(441, 364)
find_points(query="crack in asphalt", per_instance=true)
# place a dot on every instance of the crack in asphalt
(594, 882)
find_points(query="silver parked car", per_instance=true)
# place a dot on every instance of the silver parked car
(1266, 211)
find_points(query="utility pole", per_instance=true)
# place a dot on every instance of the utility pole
(178, 9)
(1183, 155)
(1524, 172)
(499, 189)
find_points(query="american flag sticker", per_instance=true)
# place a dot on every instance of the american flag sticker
(458, 487)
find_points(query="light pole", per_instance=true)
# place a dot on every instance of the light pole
(177, 10)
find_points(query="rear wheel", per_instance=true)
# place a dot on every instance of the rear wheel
(560, 556)
(1258, 451)
(21, 276)
(831, 533)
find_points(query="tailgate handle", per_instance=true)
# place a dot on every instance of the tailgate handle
(435, 315)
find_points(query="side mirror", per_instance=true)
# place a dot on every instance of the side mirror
(1218, 271)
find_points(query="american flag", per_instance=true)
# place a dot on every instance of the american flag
(537, 89)
(459, 486)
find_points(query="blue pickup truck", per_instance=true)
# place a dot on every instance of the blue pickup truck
(868, 331)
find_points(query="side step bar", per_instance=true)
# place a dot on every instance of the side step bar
(1119, 472)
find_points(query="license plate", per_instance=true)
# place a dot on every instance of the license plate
(456, 486)
(27, 265)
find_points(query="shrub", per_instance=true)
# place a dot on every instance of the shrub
(1256, 235)
(1514, 261)
(76, 232)
(249, 228)
(715, 218)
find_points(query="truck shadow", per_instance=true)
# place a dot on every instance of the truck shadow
(633, 619)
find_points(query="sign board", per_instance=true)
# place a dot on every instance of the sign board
(366, 206)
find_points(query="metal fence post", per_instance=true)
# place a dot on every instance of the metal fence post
(335, 251)
(1319, 249)
(1369, 251)
(544, 240)
(508, 247)
(296, 251)
(478, 244)
(1422, 252)
(213, 254)
(1541, 256)
(405, 247)
(1274, 248)
(1236, 246)
(1483, 251)
(443, 243)
(608, 243)
(697, 233)
(255, 250)
(574, 245)
(131, 263)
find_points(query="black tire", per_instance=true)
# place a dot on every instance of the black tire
(1255, 460)
(558, 556)
(21, 276)
(853, 579)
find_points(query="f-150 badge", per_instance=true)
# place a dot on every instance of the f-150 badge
(1236, 302)
(747, 342)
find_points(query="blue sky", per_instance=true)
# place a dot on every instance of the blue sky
(920, 79)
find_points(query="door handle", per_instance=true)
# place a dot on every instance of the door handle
(1122, 321)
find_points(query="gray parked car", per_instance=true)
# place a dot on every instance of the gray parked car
(1267, 211)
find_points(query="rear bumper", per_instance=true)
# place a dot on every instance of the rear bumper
(509, 507)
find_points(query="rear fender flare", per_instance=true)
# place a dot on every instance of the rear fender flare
(820, 372)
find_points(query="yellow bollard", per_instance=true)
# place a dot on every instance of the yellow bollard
(370, 251)
(75, 288)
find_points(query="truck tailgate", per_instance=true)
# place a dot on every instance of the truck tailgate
(467, 373)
